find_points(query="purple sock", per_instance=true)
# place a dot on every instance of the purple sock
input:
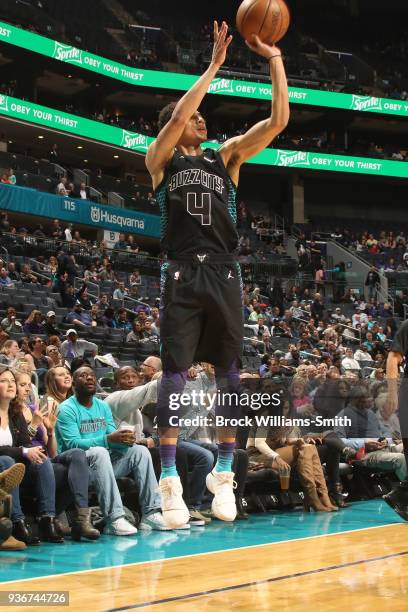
(168, 460)
(225, 456)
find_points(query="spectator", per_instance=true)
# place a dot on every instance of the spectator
(12, 177)
(12, 273)
(75, 347)
(50, 325)
(372, 280)
(121, 244)
(121, 320)
(54, 356)
(53, 154)
(9, 352)
(17, 446)
(317, 308)
(10, 323)
(120, 292)
(349, 362)
(126, 459)
(5, 280)
(78, 316)
(137, 332)
(33, 324)
(62, 187)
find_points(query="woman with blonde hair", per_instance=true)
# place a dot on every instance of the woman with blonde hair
(9, 352)
(53, 354)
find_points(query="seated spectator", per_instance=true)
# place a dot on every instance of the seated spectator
(82, 192)
(5, 280)
(103, 302)
(284, 450)
(33, 324)
(121, 244)
(362, 354)
(120, 292)
(26, 275)
(17, 446)
(9, 352)
(349, 362)
(10, 323)
(126, 458)
(135, 279)
(91, 274)
(50, 325)
(37, 348)
(75, 347)
(62, 187)
(54, 356)
(12, 273)
(363, 429)
(121, 320)
(79, 316)
(96, 316)
(301, 402)
(137, 332)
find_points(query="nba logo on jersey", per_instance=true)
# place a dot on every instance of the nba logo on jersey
(176, 275)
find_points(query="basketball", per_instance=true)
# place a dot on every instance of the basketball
(269, 19)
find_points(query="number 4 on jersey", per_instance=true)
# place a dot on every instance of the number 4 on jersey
(202, 209)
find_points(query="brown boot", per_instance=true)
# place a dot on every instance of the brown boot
(12, 477)
(12, 544)
(306, 474)
(321, 482)
(82, 526)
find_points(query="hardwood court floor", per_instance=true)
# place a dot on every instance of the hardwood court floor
(327, 568)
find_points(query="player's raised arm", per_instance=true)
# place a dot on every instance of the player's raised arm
(161, 150)
(240, 148)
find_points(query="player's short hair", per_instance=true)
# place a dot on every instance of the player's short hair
(165, 114)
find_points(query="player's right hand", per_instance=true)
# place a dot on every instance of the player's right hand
(221, 43)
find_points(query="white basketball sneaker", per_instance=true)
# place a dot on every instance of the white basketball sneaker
(174, 510)
(222, 485)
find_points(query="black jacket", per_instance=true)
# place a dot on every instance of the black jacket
(20, 435)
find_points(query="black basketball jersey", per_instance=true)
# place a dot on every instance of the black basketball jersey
(197, 200)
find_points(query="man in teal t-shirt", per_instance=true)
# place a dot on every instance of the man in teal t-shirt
(86, 422)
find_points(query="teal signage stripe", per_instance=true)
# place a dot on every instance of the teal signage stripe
(80, 126)
(182, 82)
(29, 201)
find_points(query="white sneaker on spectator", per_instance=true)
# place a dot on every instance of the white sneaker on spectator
(221, 485)
(153, 521)
(120, 527)
(174, 511)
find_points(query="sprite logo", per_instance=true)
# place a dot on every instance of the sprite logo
(292, 159)
(133, 141)
(3, 103)
(66, 53)
(221, 86)
(366, 103)
(95, 214)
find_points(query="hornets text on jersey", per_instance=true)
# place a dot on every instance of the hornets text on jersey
(197, 200)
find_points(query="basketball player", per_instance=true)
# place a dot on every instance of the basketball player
(398, 497)
(201, 316)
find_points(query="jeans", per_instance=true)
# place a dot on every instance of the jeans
(239, 467)
(387, 461)
(200, 463)
(39, 476)
(104, 470)
(72, 479)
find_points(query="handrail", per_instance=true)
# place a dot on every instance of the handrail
(7, 253)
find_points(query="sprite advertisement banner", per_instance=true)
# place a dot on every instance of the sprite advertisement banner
(182, 82)
(95, 130)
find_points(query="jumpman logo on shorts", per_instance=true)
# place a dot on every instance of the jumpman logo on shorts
(230, 274)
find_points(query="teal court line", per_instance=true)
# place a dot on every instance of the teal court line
(260, 530)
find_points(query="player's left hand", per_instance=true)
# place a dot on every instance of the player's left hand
(262, 48)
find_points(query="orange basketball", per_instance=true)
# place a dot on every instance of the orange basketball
(269, 19)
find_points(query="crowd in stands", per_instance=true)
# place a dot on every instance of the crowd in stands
(67, 352)
(185, 42)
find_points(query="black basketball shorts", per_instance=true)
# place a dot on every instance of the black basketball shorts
(201, 316)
